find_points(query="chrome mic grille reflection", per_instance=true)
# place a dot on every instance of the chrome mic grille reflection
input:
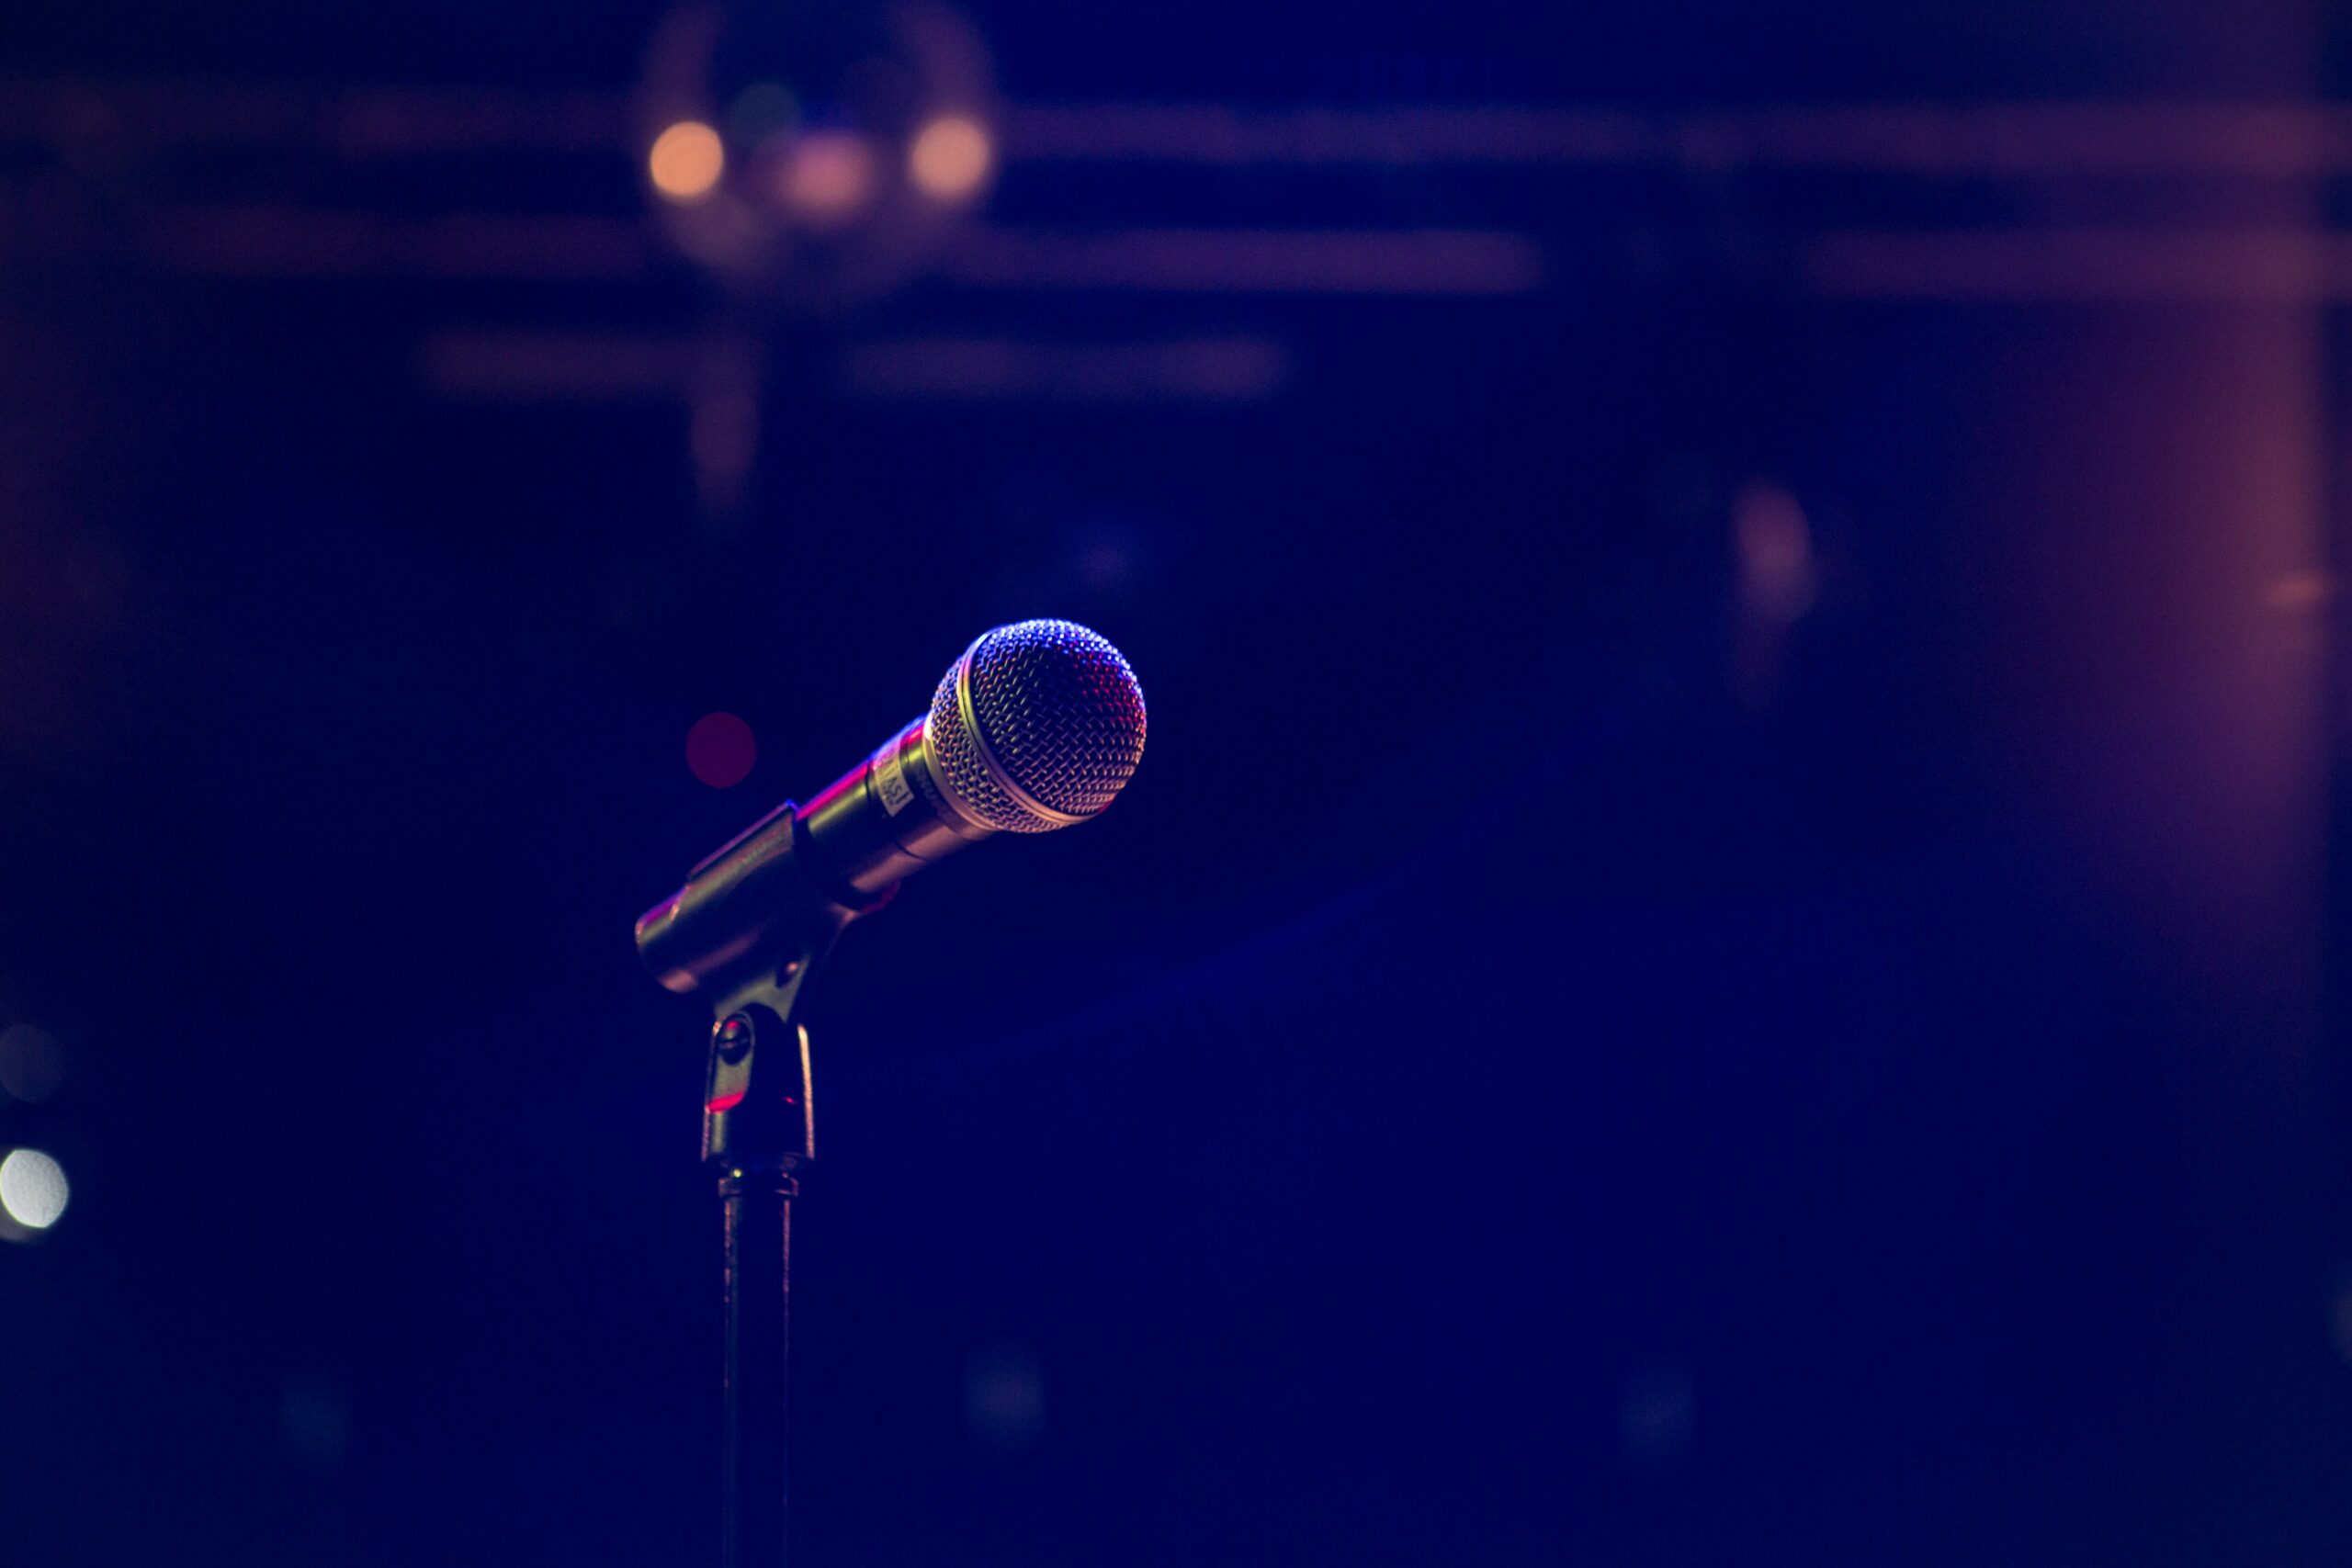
(1036, 727)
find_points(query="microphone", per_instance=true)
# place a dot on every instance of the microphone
(1038, 727)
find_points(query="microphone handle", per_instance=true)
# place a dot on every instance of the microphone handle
(884, 820)
(801, 869)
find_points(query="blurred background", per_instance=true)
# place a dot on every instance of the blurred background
(1728, 949)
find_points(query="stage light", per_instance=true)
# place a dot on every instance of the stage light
(687, 161)
(32, 1189)
(828, 175)
(950, 157)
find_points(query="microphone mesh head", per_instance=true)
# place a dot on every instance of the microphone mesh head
(1060, 714)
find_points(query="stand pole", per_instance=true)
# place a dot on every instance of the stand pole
(745, 933)
(755, 1474)
(757, 1133)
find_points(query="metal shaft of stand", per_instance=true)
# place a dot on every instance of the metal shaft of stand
(754, 1476)
(745, 933)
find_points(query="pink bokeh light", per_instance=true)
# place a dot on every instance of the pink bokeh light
(721, 750)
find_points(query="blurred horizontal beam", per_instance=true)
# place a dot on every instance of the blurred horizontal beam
(251, 241)
(283, 241)
(610, 367)
(2268, 140)
(997, 369)
(2019, 264)
(2147, 264)
(1409, 261)
(85, 121)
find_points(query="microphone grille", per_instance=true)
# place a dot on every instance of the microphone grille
(1058, 711)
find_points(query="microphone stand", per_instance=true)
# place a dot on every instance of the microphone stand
(757, 917)
(757, 1134)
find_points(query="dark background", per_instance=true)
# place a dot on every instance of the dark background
(1724, 951)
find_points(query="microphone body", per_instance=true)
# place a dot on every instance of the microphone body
(1038, 727)
(885, 819)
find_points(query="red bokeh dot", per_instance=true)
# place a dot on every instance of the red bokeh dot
(720, 749)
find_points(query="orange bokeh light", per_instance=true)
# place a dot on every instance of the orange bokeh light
(687, 161)
(950, 157)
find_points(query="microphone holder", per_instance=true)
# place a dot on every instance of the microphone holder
(746, 932)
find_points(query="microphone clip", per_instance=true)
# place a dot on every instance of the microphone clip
(745, 932)
(757, 1119)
